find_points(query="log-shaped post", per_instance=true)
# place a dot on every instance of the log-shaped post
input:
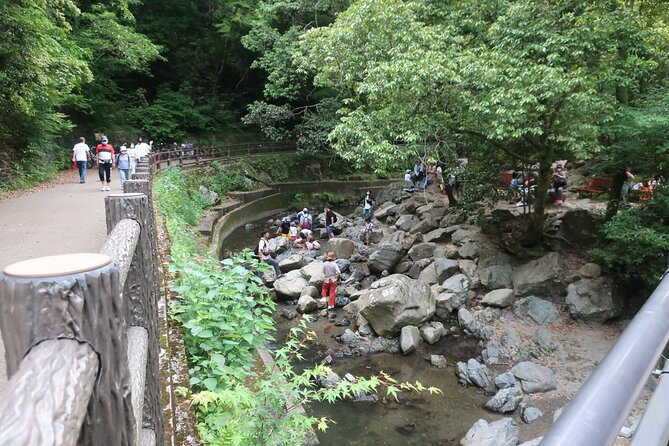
(141, 291)
(46, 400)
(138, 176)
(73, 296)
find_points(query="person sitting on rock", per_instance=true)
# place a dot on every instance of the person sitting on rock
(331, 275)
(264, 253)
(558, 183)
(284, 229)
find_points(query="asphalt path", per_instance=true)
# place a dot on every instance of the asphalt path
(63, 219)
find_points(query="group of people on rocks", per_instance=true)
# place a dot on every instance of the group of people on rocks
(644, 189)
(420, 177)
(106, 158)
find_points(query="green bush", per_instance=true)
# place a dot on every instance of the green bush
(636, 242)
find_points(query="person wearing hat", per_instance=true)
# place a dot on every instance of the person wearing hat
(305, 219)
(331, 275)
(105, 154)
(123, 164)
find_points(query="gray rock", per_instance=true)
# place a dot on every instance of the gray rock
(505, 380)
(534, 377)
(306, 304)
(445, 268)
(343, 248)
(510, 338)
(409, 339)
(313, 273)
(501, 298)
(432, 332)
(590, 271)
(545, 277)
(469, 268)
(628, 429)
(290, 285)
(464, 317)
(461, 235)
(310, 291)
(438, 361)
(209, 195)
(421, 251)
(474, 373)
(349, 337)
(505, 400)
(428, 274)
(454, 295)
(469, 250)
(406, 222)
(385, 257)
(539, 310)
(579, 227)
(289, 314)
(330, 380)
(427, 223)
(502, 432)
(543, 339)
(491, 353)
(343, 264)
(395, 301)
(438, 235)
(291, 263)
(417, 269)
(341, 301)
(386, 209)
(494, 269)
(278, 245)
(530, 414)
(592, 300)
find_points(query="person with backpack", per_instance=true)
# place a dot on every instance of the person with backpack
(264, 253)
(367, 205)
(306, 220)
(330, 219)
(123, 165)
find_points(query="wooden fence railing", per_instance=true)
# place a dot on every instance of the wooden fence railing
(205, 154)
(81, 337)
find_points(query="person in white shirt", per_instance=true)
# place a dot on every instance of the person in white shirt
(132, 153)
(142, 149)
(81, 153)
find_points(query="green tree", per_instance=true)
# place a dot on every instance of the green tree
(533, 81)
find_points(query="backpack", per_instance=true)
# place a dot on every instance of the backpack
(255, 250)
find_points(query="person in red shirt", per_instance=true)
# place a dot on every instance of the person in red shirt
(105, 154)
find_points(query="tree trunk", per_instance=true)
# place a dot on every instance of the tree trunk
(535, 225)
(613, 205)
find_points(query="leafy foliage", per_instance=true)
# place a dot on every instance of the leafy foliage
(636, 242)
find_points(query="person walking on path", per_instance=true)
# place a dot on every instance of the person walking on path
(105, 153)
(367, 205)
(331, 275)
(264, 253)
(81, 153)
(123, 165)
(330, 219)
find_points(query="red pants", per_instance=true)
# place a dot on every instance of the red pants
(330, 287)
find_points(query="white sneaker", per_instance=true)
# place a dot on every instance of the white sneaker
(107, 188)
(102, 188)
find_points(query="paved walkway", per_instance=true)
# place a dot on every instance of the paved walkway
(64, 219)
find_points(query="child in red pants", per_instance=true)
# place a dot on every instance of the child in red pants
(331, 273)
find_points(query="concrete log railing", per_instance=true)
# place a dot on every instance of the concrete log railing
(81, 339)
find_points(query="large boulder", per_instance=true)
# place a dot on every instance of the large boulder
(539, 310)
(438, 235)
(578, 227)
(306, 304)
(385, 210)
(545, 277)
(395, 301)
(428, 274)
(290, 285)
(494, 269)
(501, 298)
(432, 332)
(406, 222)
(502, 432)
(385, 257)
(409, 339)
(445, 268)
(342, 247)
(461, 235)
(469, 268)
(534, 377)
(474, 373)
(454, 295)
(421, 251)
(469, 250)
(313, 273)
(418, 267)
(592, 300)
(505, 400)
(427, 223)
(278, 245)
(291, 263)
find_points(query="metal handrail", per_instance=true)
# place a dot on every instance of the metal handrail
(597, 412)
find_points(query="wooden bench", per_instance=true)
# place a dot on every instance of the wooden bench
(503, 181)
(596, 185)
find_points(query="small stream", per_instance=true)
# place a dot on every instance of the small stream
(417, 419)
